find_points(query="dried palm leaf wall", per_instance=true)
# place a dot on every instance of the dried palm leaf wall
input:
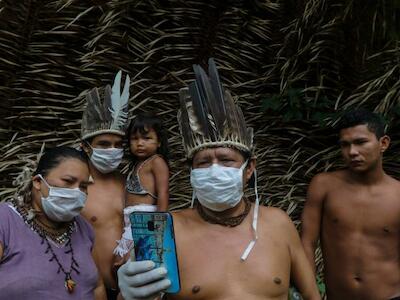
(294, 67)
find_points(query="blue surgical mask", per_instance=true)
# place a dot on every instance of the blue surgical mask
(62, 204)
(106, 160)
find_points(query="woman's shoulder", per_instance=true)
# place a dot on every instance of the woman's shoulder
(84, 227)
(83, 223)
(8, 221)
(5, 210)
(4, 205)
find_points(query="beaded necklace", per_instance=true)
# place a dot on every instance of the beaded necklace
(227, 221)
(61, 238)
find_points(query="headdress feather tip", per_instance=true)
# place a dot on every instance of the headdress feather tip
(209, 117)
(109, 115)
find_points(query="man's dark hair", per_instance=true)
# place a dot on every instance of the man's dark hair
(374, 121)
(54, 156)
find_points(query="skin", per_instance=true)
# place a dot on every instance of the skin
(70, 173)
(209, 254)
(104, 207)
(356, 214)
(154, 174)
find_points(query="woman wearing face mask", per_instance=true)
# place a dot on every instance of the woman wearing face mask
(45, 245)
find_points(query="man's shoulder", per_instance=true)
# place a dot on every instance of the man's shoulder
(330, 175)
(327, 180)
(274, 215)
(392, 181)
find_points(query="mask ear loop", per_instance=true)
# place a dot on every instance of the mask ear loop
(193, 195)
(255, 221)
(44, 180)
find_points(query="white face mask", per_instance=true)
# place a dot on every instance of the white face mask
(106, 160)
(218, 188)
(62, 204)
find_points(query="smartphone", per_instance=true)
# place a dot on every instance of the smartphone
(153, 237)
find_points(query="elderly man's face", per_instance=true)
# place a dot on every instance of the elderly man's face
(223, 156)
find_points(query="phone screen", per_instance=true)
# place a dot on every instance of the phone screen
(153, 237)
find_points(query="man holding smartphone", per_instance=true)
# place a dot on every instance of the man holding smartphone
(227, 246)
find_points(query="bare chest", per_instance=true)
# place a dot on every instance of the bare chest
(364, 211)
(104, 205)
(210, 266)
(146, 178)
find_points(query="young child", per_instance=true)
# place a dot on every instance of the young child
(147, 181)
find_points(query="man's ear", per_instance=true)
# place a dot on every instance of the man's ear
(385, 142)
(251, 165)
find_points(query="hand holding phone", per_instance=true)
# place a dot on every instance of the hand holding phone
(141, 280)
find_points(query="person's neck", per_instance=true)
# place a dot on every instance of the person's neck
(229, 213)
(42, 218)
(141, 160)
(230, 217)
(96, 174)
(369, 177)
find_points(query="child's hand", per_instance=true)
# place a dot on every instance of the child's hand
(119, 261)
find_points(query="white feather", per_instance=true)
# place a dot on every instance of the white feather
(119, 102)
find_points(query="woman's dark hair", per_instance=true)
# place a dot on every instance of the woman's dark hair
(374, 122)
(54, 156)
(143, 123)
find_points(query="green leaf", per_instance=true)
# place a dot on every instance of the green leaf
(273, 103)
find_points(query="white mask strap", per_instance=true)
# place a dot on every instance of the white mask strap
(193, 197)
(255, 221)
(44, 180)
(244, 165)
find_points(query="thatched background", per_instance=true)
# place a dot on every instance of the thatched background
(294, 66)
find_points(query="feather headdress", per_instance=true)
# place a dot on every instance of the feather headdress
(208, 116)
(22, 182)
(110, 115)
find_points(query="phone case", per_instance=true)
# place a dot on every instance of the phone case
(153, 237)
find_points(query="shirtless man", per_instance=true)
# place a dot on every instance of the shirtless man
(219, 254)
(356, 214)
(102, 134)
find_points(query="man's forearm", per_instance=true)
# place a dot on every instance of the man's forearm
(312, 297)
(309, 250)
